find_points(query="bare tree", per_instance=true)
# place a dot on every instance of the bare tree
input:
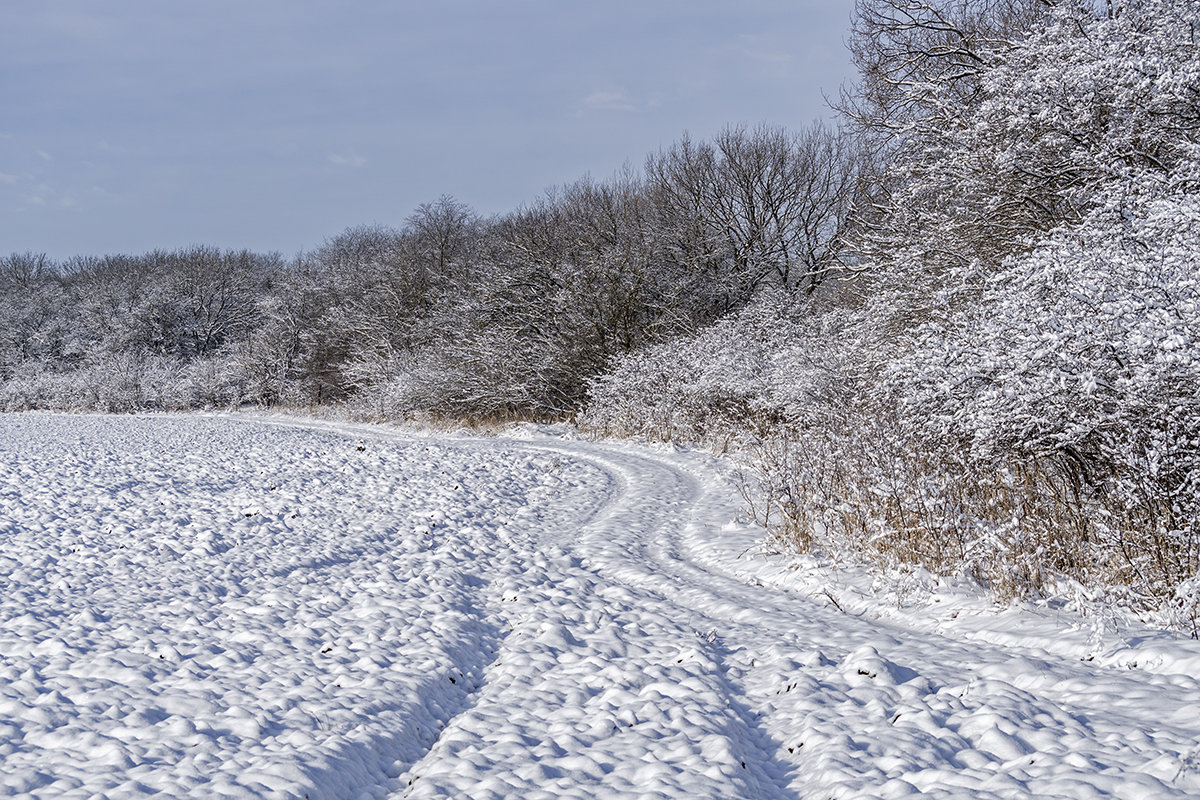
(921, 60)
(443, 237)
(213, 296)
(756, 207)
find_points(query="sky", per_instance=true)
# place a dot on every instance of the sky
(272, 125)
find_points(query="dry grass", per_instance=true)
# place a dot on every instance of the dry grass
(858, 493)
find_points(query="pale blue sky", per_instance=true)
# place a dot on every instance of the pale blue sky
(273, 124)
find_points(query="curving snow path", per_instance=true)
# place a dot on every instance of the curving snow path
(262, 607)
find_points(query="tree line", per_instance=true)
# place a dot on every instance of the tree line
(449, 313)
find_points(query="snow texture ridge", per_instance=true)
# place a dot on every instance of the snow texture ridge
(228, 608)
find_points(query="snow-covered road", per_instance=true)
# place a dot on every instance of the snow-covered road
(237, 607)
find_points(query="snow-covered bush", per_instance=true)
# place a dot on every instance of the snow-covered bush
(1084, 358)
(125, 382)
(843, 463)
(1049, 268)
(703, 387)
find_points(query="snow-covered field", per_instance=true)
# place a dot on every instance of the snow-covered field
(220, 607)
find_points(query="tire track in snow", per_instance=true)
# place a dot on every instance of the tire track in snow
(957, 713)
(967, 694)
(586, 675)
(594, 696)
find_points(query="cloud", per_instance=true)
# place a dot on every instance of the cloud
(348, 160)
(45, 195)
(763, 50)
(8, 179)
(608, 100)
(45, 156)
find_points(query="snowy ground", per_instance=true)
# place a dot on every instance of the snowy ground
(215, 607)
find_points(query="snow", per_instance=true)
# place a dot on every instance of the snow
(229, 606)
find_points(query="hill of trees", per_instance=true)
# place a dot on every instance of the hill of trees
(960, 331)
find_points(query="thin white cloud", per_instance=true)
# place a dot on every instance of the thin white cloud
(347, 160)
(46, 195)
(107, 147)
(8, 179)
(763, 49)
(45, 156)
(608, 100)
